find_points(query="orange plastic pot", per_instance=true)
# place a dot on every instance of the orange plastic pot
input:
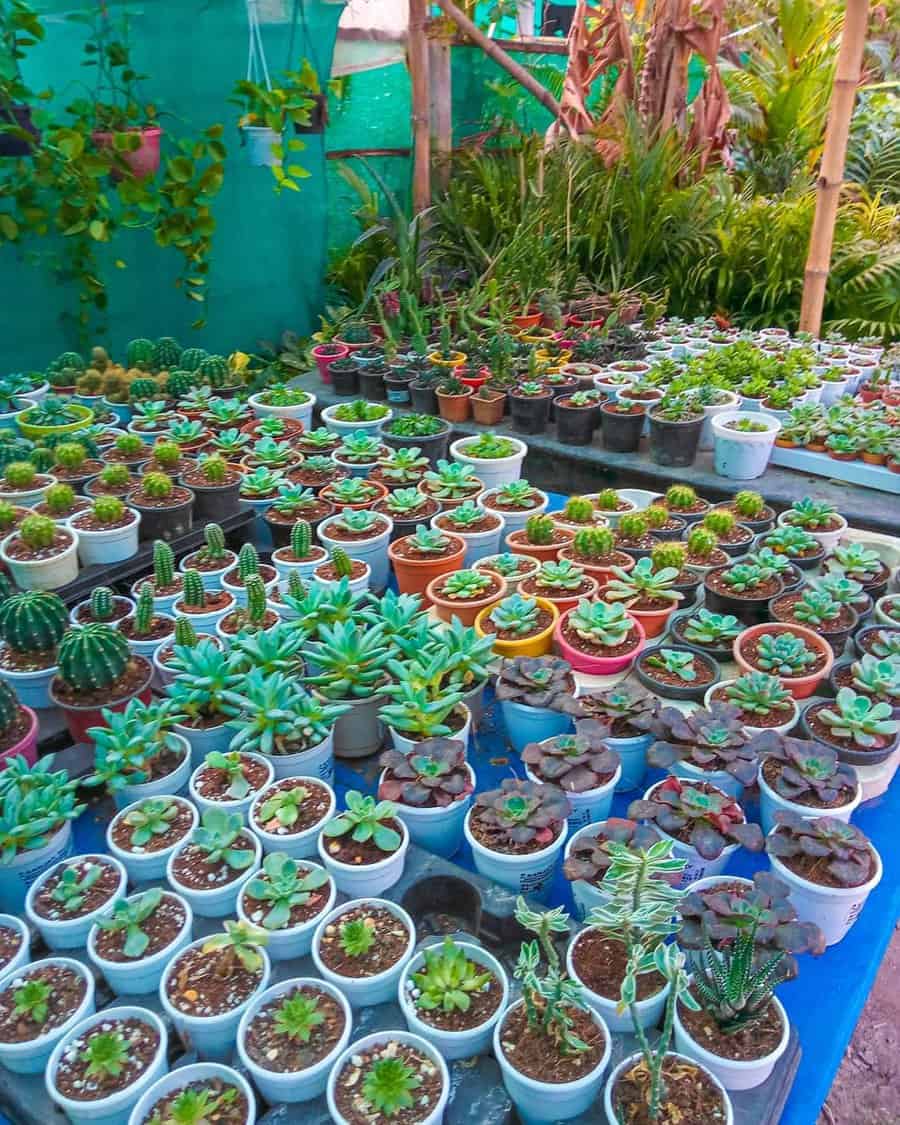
(564, 603)
(529, 320)
(519, 545)
(466, 612)
(382, 492)
(454, 408)
(539, 645)
(652, 621)
(800, 687)
(601, 573)
(414, 575)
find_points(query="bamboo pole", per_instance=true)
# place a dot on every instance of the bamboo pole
(500, 57)
(421, 126)
(831, 172)
(441, 85)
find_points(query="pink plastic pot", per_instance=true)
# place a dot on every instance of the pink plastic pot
(596, 665)
(800, 687)
(144, 160)
(26, 746)
(325, 359)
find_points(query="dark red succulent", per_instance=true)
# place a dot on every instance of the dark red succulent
(434, 774)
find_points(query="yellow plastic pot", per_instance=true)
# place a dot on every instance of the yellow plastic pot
(539, 645)
(457, 360)
(36, 433)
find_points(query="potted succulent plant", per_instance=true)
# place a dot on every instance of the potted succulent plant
(286, 897)
(422, 431)
(478, 528)
(646, 593)
(48, 998)
(424, 555)
(143, 835)
(401, 468)
(66, 899)
(818, 518)
(750, 509)
(588, 857)
(229, 781)
(364, 846)
(520, 626)
(564, 583)
(582, 765)
(510, 567)
(461, 595)
(797, 656)
(594, 550)
(166, 509)
(676, 422)
(23, 485)
(515, 501)
(364, 536)
(353, 493)
(40, 554)
(705, 746)
(131, 944)
(356, 417)
(795, 544)
(209, 869)
(709, 632)
(203, 674)
(761, 701)
(450, 483)
(288, 814)
(862, 730)
(743, 589)
(208, 1089)
(621, 423)
(814, 607)
(803, 777)
(495, 460)
(676, 673)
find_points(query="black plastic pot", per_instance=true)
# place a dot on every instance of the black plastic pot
(371, 385)
(19, 115)
(575, 424)
(721, 651)
(433, 446)
(674, 444)
(837, 638)
(671, 533)
(318, 115)
(529, 412)
(214, 503)
(423, 398)
(621, 432)
(344, 381)
(751, 611)
(165, 523)
(845, 754)
(397, 389)
(692, 692)
(735, 550)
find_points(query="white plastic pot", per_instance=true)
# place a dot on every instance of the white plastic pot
(529, 874)
(407, 745)
(372, 551)
(513, 521)
(185, 1075)
(168, 786)
(293, 941)
(882, 616)
(734, 1074)
(165, 603)
(147, 648)
(438, 830)
(739, 454)
(143, 867)
(585, 895)
(367, 879)
(479, 544)
(18, 875)
(134, 978)
(203, 622)
(828, 539)
(317, 761)
(218, 902)
(781, 728)
(212, 1037)
(612, 1117)
(697, 867)
(12, 922)
(43, 574)
(212, 579)
(649, 1011)
(30, 497)
(297, 845)
(292, 1086)
(379, 1037)
(303, 567)
(301, 412)
(710, 412)
(114, 620)
(539, 1102)
(239, 593)
(495, 471)
(31, 1056)
(204, 740)
(632, 758)
(832, 389)
(99, 548)
(365, 992)
(31, 688)
(242, 807)
(357, 585)
(833, 909)
(259, 140)
(71, 933)
(455, 1044)
(770, 803)
(115, 1109)
(591, 805)
(338, 427)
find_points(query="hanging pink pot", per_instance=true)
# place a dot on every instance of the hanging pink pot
(144, 160)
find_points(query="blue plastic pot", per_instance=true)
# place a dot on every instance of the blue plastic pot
(526, 724)
(633, 756)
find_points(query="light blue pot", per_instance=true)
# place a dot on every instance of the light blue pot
(532, 724)
(633, 756)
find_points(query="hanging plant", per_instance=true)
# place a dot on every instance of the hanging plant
(268, 109)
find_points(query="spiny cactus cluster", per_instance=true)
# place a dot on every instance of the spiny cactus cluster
(215, 541)
(166, 353)
(180, 383)
(578, 509)
(214, 469)
(37, 532)
(92, 657)
(143, 390)
(720, 522)
(71, 454)
(59, 498)
(20, 475)
(157, 486)
(539, 530)
(167, 454)
(656, 516)
(256, 600)
(115, 476)
(668, 554)
(139, 354)
(633, 525)
(214, 370)
(185, 633)
(33, 621)
(108, 509)
(9, 707)
(191, 358)
(701, 542)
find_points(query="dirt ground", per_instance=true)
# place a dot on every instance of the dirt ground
(866, 1090)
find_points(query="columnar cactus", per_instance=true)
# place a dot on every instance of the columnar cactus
(163, 565)
(108, 509)
(71, 454)
(143, 612)
(256, 600)
(9, 707)
(340, 560)
(33, 621)
(20, 475)
(139, 354)
(92, 656)
(102, 604)
(191, 358)
(296, 587)
(301, 539)
(37, 532)
(215, 541)
(157, 486)
(185, 633)
(166, 353)
(214, 369)
(248, 562)
(59, 498)
(193, 594)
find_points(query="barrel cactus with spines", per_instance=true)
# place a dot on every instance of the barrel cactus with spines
(59, 499)
(43, 458)
(37, 532)
(191, 358)
(9, 707)
(539, 530)
(108, 509)
(633, 525)
(340, 560)
(301, 539)
(214, 370)
(20, 475)
(671, 555)
(193, 594)
(256, 600)
(578, 509)
(185, 633)
(166, 353)
(167, 454)
(68, 359)
(8, 515)
(6, 587)
(163, 565)
(248, 562)
(157, 486)
(143, 610)
(180, 383)
(102, 603)
(594, 543)
(92, 657)
(129, 445)
(115, 476)
(139, 354)
(71, 454)
(214, 469)
(142, 390)
(33, 621)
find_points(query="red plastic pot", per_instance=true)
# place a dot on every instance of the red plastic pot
(26, 746)
(475, 381)
(800, 687)
(652, 621)
(596, 665)
(80, 719)
(325, 359)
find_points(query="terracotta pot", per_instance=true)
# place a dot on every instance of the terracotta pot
(488, 411)
(528, 320)
(800, 687)
(466, 612)
(519, 545)
(563, 602)
(539, 645)
(324, 359)
(454, 408)
(601, 573)
(414, 575)
(653, 622)
(80, 719)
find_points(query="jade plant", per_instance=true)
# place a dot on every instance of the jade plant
(710, 821)
(363, 819)
(433, 774)
(283, 884)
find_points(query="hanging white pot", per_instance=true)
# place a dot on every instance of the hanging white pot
(259, 141)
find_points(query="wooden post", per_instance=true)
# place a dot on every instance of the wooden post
(831, 172)
(421, 125)
(441, 83)
(500, 57)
